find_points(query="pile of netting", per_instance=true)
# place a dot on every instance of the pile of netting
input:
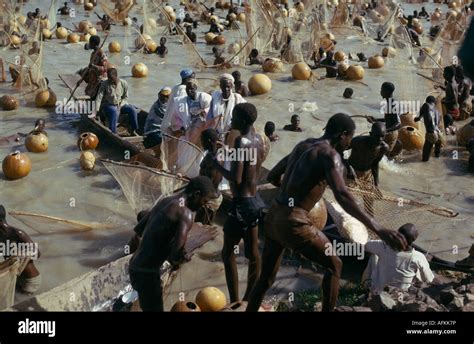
(388, 209)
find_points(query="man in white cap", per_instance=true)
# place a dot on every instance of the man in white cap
(152, 131)
(223, 102)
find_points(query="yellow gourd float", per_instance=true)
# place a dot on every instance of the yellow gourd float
(342, 69)
(272, 65)
(88, 6)
(259, 84)
(140, 41)
(36, 142)
(15, 40)
(301, 71)
(114, 47)
(139, 70)
(85, 37)
(340, 56)
(47, 34)
(465, 133)
(73, 38)
(9, 103)
(61, 33)
(87, 141)
(16, 165)
(241, 17)
(355, 72)
(210, 37)
(46, 98)
(92, 31)
(185, 306)
(411, 138)
(151, 46)
(376, 62)
(211, 299)
(84, 26)
(389, 52)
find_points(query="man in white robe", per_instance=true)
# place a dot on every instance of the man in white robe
(222, 105)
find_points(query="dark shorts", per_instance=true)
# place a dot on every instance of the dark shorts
(148, 287)
(153, 139)
(245, 213)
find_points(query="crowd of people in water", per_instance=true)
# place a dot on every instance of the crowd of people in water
(185, 111)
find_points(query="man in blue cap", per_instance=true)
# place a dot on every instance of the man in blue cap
(176, 91)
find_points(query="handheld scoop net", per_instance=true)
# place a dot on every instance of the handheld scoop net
(388, 209)
(141, 185)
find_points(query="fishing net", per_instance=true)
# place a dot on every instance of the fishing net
(46, 224)
(389, 210)
(261, 19)
(119, 12)
(141, 185)
(181, 155)
(8, 274)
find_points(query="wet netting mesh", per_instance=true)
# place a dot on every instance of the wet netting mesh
(118, 11)
(141, 185)
(388, 209)
(8, 273)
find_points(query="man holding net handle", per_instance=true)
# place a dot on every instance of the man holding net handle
(313, 164)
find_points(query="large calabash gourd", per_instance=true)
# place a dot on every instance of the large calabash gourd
(272, 65)
(389, 52)
(301, 71)
(61, 33)
(259, 84)
(151, 46)
(340, 56)
(88, 6)
(73, 38)
(319, 215)
(342, 69)
(9, 103)
(408, 119)
(140, 41)
(218, 40)
(15, 40)
(46, 98)
(16, 165)
(85, 37)
(185, 306)
(465, 133)
(139, 70)
(411, 138)
(211, 299)
(84, 26)
(36, 143)
(376, 62)
(47, 34)
(87, 161)
(87, 141)
(355, 73)
(241, 17)
(209, 38)
(114, 47)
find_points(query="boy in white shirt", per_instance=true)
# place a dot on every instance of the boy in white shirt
(387, 267)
